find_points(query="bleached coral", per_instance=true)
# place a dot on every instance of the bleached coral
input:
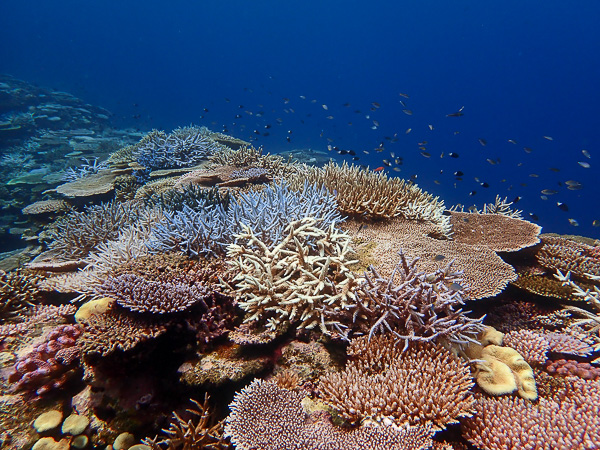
(304, 277)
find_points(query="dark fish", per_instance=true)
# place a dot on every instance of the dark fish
(205, 109)
(554, 169)
(352, 152)
(458, 173)
(288, 139)
(343, 152)
(453, 155)
(562, 206)
(238, 116)
(455, 287)
(573, 222)
(346, 104)
(361, 227)
(549, 192)
(512, 141)
(533, 216)
(227, 100)
(375, 104)
(267, 126)
(482, 142)
(527, 149)
(472, 193)
(403, 104)
(408, 112)
(403, 95)
(596, 223)
(491, 161)
(387, 163)
(356, 158)
(517, 199)
(426, 154)
(446, 213)
(484, 184)
(439, 257)
(455, 114)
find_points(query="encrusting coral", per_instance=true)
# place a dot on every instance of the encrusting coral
(265, 416)
(414, 306)
(424, 384)
(303, 278)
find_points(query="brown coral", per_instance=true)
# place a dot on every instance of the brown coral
(484, 272)
(568, 255)
(267, 417)
(425, 384)
(46, 207)
(18, 291)
(568, 420)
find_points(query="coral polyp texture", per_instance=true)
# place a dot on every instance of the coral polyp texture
(425, 384)
(568, 255)
(18, 291)
(304, 278)
(265, 416)
(50, 364)
(375, 195)
(207, 228)
(183, 147)
(415, 306)
(567, 420)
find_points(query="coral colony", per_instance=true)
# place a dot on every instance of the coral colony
(191, 291)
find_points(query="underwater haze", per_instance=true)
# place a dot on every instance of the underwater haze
(469, 99)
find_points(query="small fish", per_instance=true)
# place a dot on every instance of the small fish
(403, 104)
(533, 216)
(408, 130)
(458, 173)
(573, 222)
(439, 257)
(534, 175)
(329, 147)
(517, 199)
(366, 152)
(555, 169)
(562, 206)
(362, 227)
(549, 192)
(379, 169)
(396, 169)
(482, 142)
(472, 193)
(387, 163)
(586, 154)
(584, 164)
(596, 223)
(512, 141)
(375, 104)
(325, 107)
(375, 123)
(392, 154)
(527, 149)
(408, 112)
(356, 158)
(455, 114)
(431, 127)
(329, 117)
(548, 138)
(453, 155)
(352, 152)
(572, 182)
(484, 184)
(543, 197)
(426, 154)
(455, 287)
(403, 95)
(303, 97)
(491, 161)
(472, 208)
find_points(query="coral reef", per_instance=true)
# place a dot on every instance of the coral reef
(414, 306)
(50, 364)
(183, 147)
(18, 291)
(567, 420)
(303, 278)
(267, 417)
(379, 383)
(568, 255)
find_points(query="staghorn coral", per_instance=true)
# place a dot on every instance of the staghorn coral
(208, 228)
(484, 272)
(426, 384)
(568, 255)
(77, 234)
(195, 429)
(500, 206)
(414, 306)
(265, 416)
(303, 278)
(567, 420)
(365, 193)
(183, 147)
(50, 364)
(18, 291)
(191, 196)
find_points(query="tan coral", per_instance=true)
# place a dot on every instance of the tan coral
(484, 272)
(46, 207)
(99, 183)
(568, 255)
(492, 376)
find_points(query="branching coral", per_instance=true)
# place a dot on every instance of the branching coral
(18, 291)
(365, 193)
(415, 306)
(568, 255)
(304, 277)
(247, 156)
(208, 228)
(567, 420)
(184, 147)
(425, 384)
(267, 417)
(199, 430)
(77, 234)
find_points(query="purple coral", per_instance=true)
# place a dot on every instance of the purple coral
(50, 364)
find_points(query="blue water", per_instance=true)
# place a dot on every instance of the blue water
(521, 69)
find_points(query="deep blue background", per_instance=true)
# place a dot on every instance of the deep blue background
(522, 70)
